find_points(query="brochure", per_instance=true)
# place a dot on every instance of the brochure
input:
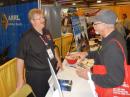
(65, 84)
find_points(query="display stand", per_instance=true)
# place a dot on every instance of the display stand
(53, 83)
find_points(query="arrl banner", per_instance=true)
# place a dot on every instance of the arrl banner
(13, 23)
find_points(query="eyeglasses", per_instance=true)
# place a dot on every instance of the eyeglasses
(39, 18)
(94, 24)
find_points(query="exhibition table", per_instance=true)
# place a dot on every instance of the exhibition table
(80, 86)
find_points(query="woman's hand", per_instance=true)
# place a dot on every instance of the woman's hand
(20, 84)
(59, 65)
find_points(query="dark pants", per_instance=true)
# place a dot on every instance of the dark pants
(38, 81)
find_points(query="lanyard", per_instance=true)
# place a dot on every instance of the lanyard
(48, 49)
(43, 40)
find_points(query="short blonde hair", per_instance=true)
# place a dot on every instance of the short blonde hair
(34, 11)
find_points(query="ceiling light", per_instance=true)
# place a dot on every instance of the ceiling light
(99, 1)
(74, 3)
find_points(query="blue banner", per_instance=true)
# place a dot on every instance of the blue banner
(13, 23)
(76, 27)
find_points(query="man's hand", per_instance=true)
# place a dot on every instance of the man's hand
(80, 55)
(82, 72)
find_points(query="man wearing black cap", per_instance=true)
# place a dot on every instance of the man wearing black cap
(110, 54)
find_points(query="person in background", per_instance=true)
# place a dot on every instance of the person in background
(109, 55)
(91, 31)
(35, 47)
(120, 28)
(126, 23)
(64, 23)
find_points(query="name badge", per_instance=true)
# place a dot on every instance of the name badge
(50, 53)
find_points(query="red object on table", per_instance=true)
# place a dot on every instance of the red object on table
(71, 61)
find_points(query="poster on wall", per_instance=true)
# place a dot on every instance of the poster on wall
(76, 27)
(13, 23)
(83, 26)
(76, 30)
(79, 30)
